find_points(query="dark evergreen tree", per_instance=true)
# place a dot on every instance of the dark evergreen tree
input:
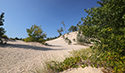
(2, 31)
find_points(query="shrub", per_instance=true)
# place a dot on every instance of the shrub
(63, 37)
(74, 40)
(5, 36)
(28, 39)
(51, 38)
(68, 40)
(35, 33)
(71, 62)
(42, 41)
(12, 39)
(90, 57)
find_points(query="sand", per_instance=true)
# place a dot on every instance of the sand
(20, 57)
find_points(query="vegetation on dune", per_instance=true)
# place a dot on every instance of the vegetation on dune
(73, 28)
(60, 31)
(51, 38)
(67, 40)
(64, 26)
(35, 34)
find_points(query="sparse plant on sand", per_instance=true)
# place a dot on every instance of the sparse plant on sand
(73, 28)
(68, 40)
(74, 40)
(60, 31)
(64, 26)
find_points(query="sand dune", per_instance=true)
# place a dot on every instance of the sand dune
(21, 57)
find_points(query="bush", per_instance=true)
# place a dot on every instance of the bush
(28, 39)
(90, 57)
(51, 38)
(74, 40)
(12, 39)
(5, 36)
(63, 36)
(18, 38)
(71, 62)
(68, 40)
(35, 33)
(42, 41)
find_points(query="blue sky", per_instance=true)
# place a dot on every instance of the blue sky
(22, 14)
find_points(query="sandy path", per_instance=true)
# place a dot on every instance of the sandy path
(20, 57)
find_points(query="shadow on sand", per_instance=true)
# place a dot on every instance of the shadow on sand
(52, 45)
(29, 47)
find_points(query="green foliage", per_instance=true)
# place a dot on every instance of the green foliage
(1, 19)
(63, 37)
(64, 26)
(12, 39)
(28, 39)
(74, 40)
(51, 38)
(81, 52)
(68, 40)
(78, 59)
(73, 28)
(71, 62)
(60, 31)
(16, 38)
(106, 24)
(42, 41)
(5, 36)
(2, 31)
(35, 34)
(4, 39)
(112, 62)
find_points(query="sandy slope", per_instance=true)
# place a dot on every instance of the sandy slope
(21, 57)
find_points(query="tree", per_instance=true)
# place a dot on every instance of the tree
(59, 31)
(107, 25)
(35, 33)
(2, 31)
(64, 26)
(73, 28)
